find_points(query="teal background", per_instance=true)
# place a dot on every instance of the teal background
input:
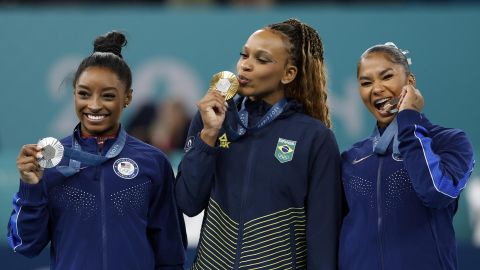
(173, 53)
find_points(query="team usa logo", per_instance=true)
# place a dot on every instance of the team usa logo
(125, 168)
(284, 150)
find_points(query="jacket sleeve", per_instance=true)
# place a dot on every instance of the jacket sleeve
(196, 172)
(438, 164)
(166, 228)
(28, 227)
(324, 204)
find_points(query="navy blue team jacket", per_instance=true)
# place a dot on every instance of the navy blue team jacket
(401, 208)
(272, 197)
(117, 215)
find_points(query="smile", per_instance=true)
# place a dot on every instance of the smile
(95, 117)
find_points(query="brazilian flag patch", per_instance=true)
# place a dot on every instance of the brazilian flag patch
(284, 150)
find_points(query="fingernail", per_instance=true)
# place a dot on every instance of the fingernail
(39, 155)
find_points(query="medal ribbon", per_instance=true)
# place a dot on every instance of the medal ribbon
(381, 142)
(77, 156)
(241, 118)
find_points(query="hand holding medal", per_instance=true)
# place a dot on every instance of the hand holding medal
(32, 159)
(213, 106)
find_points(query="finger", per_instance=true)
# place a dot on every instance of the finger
(28, 167)
(214, 103)
(28, 150)
(27, 159)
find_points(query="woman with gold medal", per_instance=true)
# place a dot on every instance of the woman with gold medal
(265, 166)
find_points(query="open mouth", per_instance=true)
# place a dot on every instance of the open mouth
(387, 105)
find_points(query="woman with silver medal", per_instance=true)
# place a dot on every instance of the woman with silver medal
(403, 182)
(101, 198)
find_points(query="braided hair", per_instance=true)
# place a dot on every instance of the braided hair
(107, 52)
(306, 53)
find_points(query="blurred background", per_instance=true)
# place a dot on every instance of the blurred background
(174, 47)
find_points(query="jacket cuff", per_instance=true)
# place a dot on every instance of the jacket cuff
(409, 117)
(31, 192)
(202, 146)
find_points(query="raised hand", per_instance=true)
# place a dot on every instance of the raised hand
(27, 164)
(212, 108)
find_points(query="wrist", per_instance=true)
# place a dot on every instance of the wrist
(209, 136)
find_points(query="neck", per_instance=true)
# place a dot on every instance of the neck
(105, 135)
(271, 98)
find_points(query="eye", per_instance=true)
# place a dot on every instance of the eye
(243, 55)
(388, 76)
(262, 60)
(365, 84)
(83, 94)
(109, 96)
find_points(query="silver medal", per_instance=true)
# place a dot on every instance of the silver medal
(52, 152)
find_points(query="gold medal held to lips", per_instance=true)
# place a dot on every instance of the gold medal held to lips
(52, 152)
(226, 82)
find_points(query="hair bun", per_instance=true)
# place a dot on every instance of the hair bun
(111, 42)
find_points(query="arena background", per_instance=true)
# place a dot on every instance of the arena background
(174, 50)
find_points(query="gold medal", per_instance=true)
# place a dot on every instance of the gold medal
(226, 83)
(52, 152)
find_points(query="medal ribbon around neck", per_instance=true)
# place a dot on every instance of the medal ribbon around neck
(76, 155)
(381, 142)
(241, 118)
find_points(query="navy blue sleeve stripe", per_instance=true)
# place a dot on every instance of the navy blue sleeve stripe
(440, 181)
(14, 239)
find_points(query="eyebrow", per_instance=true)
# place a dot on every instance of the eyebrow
(381, 74)
(103, 89)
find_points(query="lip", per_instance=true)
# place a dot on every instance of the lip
(94, 117)
(243, 80)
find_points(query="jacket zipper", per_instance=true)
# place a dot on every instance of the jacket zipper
(380, 212)
(103, 215)
(246, 182)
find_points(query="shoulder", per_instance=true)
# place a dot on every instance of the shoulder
(136, 146)
(360, 148)
(66, 141)
(455, 138)
(301, 120)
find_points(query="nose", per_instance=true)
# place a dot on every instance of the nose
(377, 88)
(245, 64)
(95, 104)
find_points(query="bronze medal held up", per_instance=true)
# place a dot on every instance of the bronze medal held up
(226, 83)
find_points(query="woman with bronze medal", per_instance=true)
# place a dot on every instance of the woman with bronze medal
(265, 166)
(403, 182)
(103, 199)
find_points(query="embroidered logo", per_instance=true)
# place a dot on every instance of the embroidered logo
(189, 143)
(284, 150)
(224, 143)
(125, 168)
(355, 161)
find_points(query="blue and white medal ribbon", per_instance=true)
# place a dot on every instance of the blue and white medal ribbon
(53, 151)
(381, 142)
(241, 118)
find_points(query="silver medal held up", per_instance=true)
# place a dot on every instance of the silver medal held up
(52, 152)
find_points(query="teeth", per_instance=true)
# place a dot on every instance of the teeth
(381, 101)
(95, 117)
